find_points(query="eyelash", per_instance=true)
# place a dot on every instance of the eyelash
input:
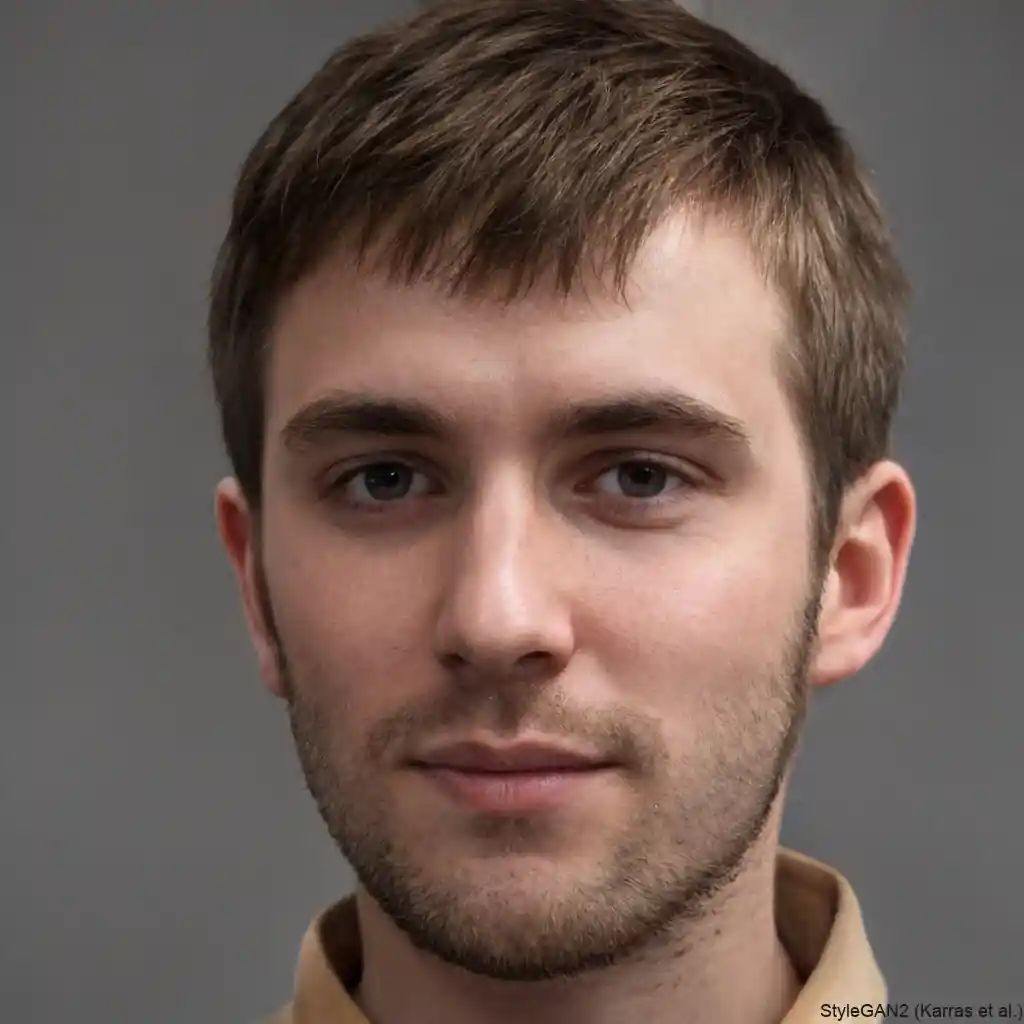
(688, 482)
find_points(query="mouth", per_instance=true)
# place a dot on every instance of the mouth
(513, 780)
(514, 792)
(519, 757)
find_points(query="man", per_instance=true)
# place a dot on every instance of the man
(557, 344)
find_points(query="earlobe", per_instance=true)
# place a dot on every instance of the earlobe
(864, 585)
(237, 528)
(836, 653)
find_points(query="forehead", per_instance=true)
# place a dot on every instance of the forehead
(699, 317)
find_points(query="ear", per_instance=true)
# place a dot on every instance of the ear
(864, 582)
(239, 534)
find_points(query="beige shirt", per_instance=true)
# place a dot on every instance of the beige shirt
(817, 915)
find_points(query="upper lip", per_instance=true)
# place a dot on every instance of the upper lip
(518, 757)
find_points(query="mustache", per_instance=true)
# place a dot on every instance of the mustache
(506, 712)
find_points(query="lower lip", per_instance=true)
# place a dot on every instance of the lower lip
(513, 792)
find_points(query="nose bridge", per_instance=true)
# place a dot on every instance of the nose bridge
(504, 598)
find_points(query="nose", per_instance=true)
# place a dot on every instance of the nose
(504, 612)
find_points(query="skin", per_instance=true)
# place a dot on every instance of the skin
(509, 584)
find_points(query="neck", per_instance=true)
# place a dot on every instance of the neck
(692, 977)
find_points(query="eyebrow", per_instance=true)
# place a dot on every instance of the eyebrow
(346, 413)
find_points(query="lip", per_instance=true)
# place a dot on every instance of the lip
(534, 757)
(516, 792)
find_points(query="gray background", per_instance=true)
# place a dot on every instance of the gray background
(159, 857)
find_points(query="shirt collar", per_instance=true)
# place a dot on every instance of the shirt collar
(818, 918)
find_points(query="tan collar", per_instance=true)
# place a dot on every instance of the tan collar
(817, 915)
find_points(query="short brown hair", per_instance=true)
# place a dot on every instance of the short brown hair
(491, 145)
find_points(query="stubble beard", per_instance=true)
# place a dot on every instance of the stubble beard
(657, 877)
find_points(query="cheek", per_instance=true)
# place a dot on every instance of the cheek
(347, 628)
(700, 623)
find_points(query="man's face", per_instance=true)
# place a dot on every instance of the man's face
(642, 593)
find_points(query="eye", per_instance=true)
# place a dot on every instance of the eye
(644, 479)
(380, 483)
